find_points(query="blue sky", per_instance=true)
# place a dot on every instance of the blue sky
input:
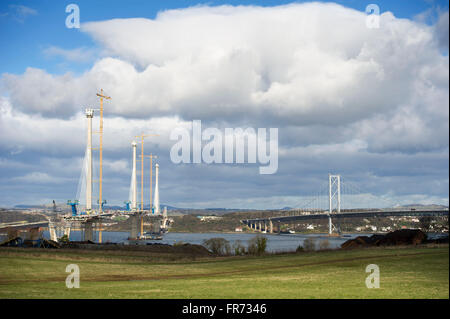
(370, 104)
(26, 37)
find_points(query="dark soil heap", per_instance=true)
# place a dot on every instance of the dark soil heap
(191, 249)
(398, 237)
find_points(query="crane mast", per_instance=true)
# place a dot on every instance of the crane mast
(100, 198)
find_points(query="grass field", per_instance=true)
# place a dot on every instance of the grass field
(405, 273)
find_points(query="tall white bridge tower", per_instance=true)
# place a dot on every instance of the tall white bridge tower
(133, 180)
(156, 203)
(334, 197)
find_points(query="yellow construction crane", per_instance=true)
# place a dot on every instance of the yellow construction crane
(142, 136)
(100, 199)
(102, 96)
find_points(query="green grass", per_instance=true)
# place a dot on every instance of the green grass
(405, 273)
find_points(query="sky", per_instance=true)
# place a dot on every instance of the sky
(370, 104)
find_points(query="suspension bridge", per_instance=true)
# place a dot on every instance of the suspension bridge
(336, 201)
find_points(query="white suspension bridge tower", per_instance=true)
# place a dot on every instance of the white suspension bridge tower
(334, 197)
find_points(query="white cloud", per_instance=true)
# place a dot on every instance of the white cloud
(442, 29)
(298, 64)
(302, 202)
(37, 91)
(38, 178)
(20, 12)
(73, 55)
(341, 94)
(61, 137)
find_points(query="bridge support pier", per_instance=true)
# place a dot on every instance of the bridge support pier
(270, 227)
(52, 231)
(67, 231)
(330, 225)
(260, 229)
(88, 231)
(33, 233)
(134, 226)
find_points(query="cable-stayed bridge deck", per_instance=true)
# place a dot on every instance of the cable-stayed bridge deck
(86, 217)
(25, 225)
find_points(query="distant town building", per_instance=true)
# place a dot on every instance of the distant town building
(208, 218)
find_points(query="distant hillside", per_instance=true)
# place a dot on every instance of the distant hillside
(9, 216)
(421, 206)
(29, 206)
(176, 211)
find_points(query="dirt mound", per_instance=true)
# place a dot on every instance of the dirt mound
(188, 249)
(398, 237)
(403, 237)
(39, 243)
(360, 241)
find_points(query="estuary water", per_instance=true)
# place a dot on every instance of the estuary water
(275, 243)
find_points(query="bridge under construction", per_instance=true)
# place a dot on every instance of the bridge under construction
(89, 218)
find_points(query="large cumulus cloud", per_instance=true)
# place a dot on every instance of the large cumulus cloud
(333, 87)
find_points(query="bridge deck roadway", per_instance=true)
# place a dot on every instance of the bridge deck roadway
(24, 225)
(362, 214)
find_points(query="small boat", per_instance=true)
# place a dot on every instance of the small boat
(151, 236)
(147, 236)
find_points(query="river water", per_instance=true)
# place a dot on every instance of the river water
(275, 242)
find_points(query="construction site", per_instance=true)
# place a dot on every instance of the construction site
(89, 216)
